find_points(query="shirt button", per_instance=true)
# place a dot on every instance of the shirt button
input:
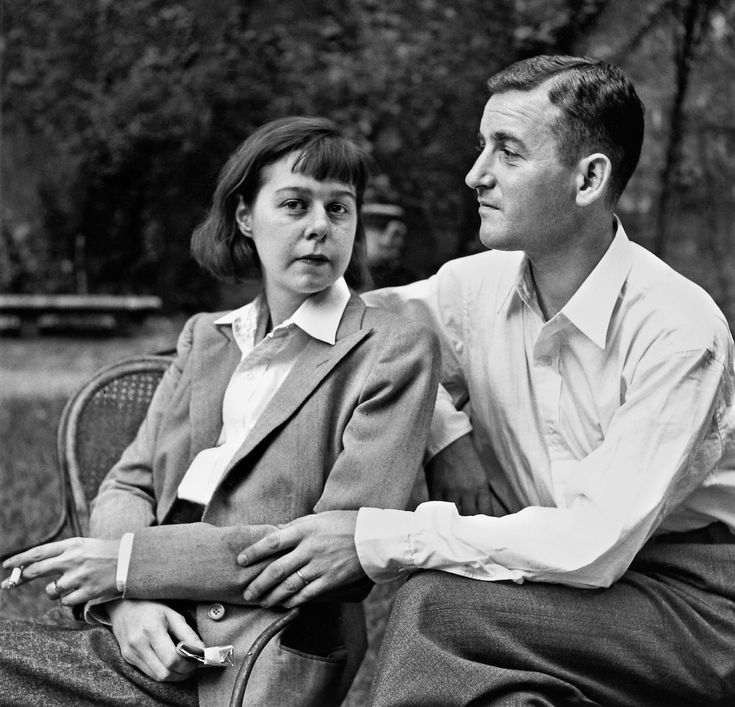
(216, 612)
(546, 360)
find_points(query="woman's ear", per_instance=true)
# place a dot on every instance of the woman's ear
(593, 178)
(244, 218)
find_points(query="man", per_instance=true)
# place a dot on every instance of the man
(599, 387)
(385, 235)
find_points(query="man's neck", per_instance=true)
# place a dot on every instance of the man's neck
(558, 275)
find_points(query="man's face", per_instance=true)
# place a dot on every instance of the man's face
(526, 193)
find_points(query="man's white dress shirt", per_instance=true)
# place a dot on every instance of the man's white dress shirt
(266, 361)
(611, 421)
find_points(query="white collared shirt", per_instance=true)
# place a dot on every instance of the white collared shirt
(610, 421)
(265, 363)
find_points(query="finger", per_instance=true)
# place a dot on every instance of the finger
(35, 554)
(145, 659)
(294, 584)
(270, 545)
(56, 590)
(181, 630)
(310, 592)
(175, 666)
(44, 568)
(274, 574)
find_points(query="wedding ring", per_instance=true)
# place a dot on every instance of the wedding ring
(57, 587)
(301, 576)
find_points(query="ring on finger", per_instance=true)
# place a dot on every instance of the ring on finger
(302, 578)
(57, 587)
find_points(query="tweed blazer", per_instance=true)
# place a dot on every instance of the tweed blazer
(346, 429)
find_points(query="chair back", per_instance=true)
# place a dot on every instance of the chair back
(97, 424)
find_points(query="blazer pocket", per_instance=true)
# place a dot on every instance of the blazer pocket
(302, 679)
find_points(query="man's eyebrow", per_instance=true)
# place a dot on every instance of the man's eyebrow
(505, 137)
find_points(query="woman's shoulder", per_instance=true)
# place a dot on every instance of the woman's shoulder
(390, 324)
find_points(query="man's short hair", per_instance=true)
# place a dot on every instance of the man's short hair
(600, 108)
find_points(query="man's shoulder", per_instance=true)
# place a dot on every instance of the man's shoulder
(489, 263)
(669, 301)
(488, 275)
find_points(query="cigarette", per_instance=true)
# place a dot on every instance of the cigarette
(14, 577)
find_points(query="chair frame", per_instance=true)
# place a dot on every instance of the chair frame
(76, 506)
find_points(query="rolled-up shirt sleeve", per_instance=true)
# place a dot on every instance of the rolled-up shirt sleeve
(663, 442)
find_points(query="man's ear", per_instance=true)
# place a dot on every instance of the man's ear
(592, 178)
(244, 217)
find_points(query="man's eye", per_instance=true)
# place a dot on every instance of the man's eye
(509, 154)
(480, 145)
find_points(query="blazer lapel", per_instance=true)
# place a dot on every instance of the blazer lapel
(313, 365)
(212, 369)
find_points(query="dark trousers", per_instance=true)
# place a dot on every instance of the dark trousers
(663, 635)
(62, 662)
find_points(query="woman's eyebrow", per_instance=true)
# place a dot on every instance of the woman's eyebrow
(308, 192)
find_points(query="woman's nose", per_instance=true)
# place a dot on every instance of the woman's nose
(318, 226)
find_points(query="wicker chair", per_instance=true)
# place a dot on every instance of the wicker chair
(96, 425)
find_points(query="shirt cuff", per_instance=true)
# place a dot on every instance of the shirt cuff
(382, 540)
(123, 561)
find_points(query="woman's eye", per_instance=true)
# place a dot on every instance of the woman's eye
(339, 209)
(294, 204)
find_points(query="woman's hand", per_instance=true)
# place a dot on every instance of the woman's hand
(83, 568)
(319, 556)
(147, 633)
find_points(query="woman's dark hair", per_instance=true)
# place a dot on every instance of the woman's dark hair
(600, 109)
(324, 154)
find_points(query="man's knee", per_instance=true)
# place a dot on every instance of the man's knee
(421, 591)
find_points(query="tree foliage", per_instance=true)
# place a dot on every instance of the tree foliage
(118, 116)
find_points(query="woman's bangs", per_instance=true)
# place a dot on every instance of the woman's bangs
(333, 159)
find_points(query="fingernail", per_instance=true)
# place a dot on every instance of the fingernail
(247, 595)
(243, 560)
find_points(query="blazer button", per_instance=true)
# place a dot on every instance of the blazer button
(216, 612)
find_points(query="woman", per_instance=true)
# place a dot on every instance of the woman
(303, 401)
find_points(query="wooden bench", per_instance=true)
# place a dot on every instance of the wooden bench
(30, 313)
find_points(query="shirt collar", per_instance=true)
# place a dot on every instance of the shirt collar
(319, 315)
(590, 307)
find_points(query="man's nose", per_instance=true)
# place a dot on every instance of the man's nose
(481, 173)
(318, 226)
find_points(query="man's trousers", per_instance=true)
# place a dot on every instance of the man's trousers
(663, 635)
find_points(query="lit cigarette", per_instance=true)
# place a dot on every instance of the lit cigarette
(14, 577)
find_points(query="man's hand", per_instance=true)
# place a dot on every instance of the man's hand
(147, 632)
(320, 555)
(456, 475)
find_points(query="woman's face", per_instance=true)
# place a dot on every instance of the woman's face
(303, 231)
